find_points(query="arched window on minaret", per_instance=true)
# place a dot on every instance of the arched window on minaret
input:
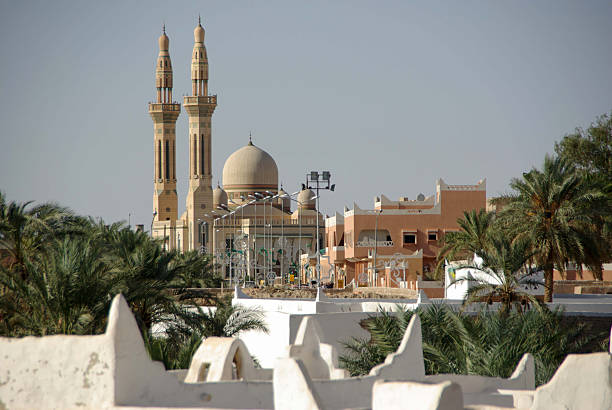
(195, 155)
(159, 161)
(174, 160)
(167, 164)
(202, 154)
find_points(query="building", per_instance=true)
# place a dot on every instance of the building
(399, 238)
(248, 225)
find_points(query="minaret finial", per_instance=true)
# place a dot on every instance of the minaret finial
(199, 20)
(164, 28)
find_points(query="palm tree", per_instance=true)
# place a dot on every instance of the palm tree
(26, 232)
(227, 320)
(555, 210)
(191, 325)
(67, 292)
(472, 238)
(506, 268)
(486, 344)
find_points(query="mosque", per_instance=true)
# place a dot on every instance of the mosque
(249, 220)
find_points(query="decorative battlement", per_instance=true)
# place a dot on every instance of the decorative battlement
(479, 186)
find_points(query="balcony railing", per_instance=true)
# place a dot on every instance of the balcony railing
(370, 243)
(208, 99)
(164, 107)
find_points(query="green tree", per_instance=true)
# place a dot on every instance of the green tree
(473, 237)
(554, 209)
(66, 292)
(505, 270)
(590, 150)
(185, 332)
(486, 344)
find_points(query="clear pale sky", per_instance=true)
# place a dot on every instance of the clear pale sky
(387, 95)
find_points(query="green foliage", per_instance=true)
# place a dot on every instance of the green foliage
(506, 269)
(184, 335)
(59, 271)
(590, 150)
(476, 228)
(554, 209)
(487, 344)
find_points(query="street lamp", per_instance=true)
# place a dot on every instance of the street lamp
(300, 235)
(153, 220)
(319, 181)
(378, 212)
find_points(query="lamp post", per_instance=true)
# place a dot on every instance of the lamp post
(256, 197)
(153, 220)
(282, 197)
(316, 179)
(378, 212)
(299, 235)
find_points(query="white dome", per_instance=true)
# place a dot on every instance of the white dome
(219, 197)
(250, 168)
(304, 199)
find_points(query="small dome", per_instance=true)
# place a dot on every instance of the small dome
(304, 199)
(164, 42)
(198, 34)
(219, 197)
(284, 201)
(250, 168)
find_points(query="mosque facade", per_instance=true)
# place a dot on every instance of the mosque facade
(248, 224)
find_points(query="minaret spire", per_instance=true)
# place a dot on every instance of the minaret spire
(164, 114)
(200, 107)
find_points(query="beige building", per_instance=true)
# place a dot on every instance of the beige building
(248, 225)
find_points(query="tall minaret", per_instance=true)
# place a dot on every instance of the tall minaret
(164, 113)
(200, 107)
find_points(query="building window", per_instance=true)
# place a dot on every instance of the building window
(410, 238)
(432, 236)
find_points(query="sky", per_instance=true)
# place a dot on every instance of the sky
(388, 96)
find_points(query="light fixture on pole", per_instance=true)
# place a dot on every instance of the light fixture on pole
(153, 220)
(375, 274)
(319, 181)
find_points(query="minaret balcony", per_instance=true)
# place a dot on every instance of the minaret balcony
(161, 107)
(201, 99)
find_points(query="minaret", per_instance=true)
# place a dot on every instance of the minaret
(200, 107)
(164, 113)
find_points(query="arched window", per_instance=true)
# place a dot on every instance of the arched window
(195, 154)
(167, 167)
(202, 154)
(173, 160)
(159, 160)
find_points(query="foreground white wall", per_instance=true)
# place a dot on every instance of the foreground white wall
(114, 371)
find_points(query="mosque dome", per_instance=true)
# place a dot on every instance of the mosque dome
(219, 197)
(304, 199)
(250, 168)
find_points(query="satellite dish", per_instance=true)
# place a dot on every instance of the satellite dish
(420, 197)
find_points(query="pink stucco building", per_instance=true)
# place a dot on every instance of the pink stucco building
(395, 233)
